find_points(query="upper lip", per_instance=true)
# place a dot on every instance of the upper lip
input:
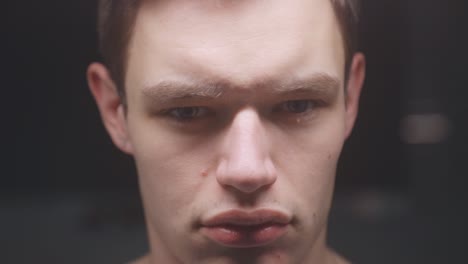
(247, 218)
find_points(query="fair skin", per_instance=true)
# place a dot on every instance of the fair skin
(236, 116)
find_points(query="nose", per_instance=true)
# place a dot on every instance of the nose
(245, 162)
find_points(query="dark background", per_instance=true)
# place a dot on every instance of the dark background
(68, 196)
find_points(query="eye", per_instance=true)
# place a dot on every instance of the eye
(187, 113)
(297, 106)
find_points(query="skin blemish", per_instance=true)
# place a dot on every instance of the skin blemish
(204, 173)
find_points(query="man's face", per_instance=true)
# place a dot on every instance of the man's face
(236, 119)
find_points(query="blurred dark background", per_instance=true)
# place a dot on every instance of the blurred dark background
(68, 196)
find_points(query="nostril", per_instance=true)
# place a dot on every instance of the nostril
(249, 187)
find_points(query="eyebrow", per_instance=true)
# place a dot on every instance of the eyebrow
(176, 90)
(319, 84)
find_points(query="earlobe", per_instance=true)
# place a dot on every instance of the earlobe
(110, 105)
(357, 73)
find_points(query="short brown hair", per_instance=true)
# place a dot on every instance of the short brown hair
(116, 19)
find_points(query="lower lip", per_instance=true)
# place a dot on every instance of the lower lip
(245, 236)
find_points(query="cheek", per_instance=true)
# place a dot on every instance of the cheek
(315, 149)
(311, 173)
(308, 161)
(170, 170)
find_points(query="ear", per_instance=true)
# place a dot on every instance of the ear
(110, 106)
(357, 74)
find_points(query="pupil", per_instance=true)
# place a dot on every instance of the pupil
(297, 106)
(187, 112)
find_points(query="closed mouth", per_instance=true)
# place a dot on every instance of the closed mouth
(237, 228)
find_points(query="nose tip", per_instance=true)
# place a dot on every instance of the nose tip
(244, 177)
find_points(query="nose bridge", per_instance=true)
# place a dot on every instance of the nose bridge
(246, 135)
(246, 163)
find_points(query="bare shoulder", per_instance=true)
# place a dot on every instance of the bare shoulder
(336, 258)
(340, 260)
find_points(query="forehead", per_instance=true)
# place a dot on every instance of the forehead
(241, 41)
